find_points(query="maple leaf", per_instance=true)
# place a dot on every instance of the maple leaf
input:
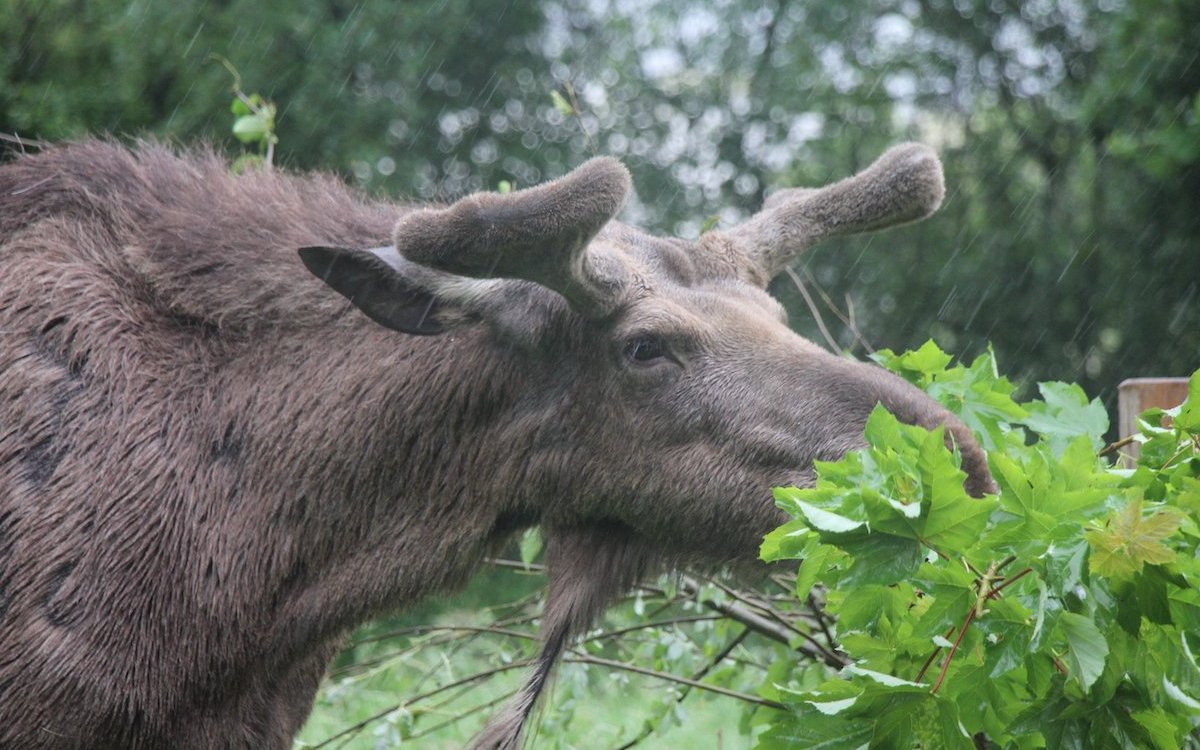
(1127, 540)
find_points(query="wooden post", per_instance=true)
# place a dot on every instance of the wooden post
(1136, 395)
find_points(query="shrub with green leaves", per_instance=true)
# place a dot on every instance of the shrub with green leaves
(1061, 613)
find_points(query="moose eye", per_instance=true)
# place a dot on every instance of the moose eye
(645, 349)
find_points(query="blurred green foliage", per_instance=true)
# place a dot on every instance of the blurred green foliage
(1070, 133)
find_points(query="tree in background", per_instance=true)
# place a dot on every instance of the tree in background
(1070, 132)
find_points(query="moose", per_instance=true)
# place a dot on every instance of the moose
(241, 414)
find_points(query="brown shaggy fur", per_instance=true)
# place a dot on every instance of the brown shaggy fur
(212, 466)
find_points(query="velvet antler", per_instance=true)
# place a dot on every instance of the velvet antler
(903, 185)
(540, 234)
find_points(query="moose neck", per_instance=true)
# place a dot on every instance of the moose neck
(385, 483)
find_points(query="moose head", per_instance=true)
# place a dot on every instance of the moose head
(662, 393)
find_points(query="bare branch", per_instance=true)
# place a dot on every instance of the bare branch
(812, 308)
(700, 675)
(516, 565)
(426, 629)
(847, 318)
(818, 611)
(358, 727)
(765, 626)
(462, 715)
(1117, 445)
(653, 624)
(852, 324)
(25, 143)
(578, 658)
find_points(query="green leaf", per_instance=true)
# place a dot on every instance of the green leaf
(1087, 648)
(860, 608)
(886, 680)
(955, 520)
(813, 731)
(950, 586)
(561, 104)
(1176, 693)
(1090, 649)
(530, 546)
(245, 163)
(1160, 728)
(1066, 413)
(951, 734)
(1189, 412)
(1127, 541)
(816, 568)
(790, 541)
(250, 128)
(824, 520)
(876, 558)
(919, 366)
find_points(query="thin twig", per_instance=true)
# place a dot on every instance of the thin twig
(515, 565)
(764, 626)
(996, 591)
(25, 143)
(426, 629)
(812, 308)
(929, 661)
(367, 667)
(852, 324)
(1182, 450)
(847, 319)
(758, 623)
(653, 624)
(500, 625)
(1116, 445)
(358, 727)
(462, 633)
(762, 606)
(953, 650)
(578, 658)
(460, 716)
(986, 592)
(700, 675)
(783, 583)
(722, 654)
(575, 110)
(822, 621)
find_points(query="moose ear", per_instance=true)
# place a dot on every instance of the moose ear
(373, 282)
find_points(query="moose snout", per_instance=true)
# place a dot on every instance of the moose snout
(863, 386)
(921, 410)
(974, 460)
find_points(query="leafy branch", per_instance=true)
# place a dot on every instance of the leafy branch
(568, 106)
(1090, 644)
(254, 122)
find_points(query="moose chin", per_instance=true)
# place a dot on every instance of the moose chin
(240, 415)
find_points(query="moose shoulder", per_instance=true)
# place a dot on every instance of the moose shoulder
(212, 464)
